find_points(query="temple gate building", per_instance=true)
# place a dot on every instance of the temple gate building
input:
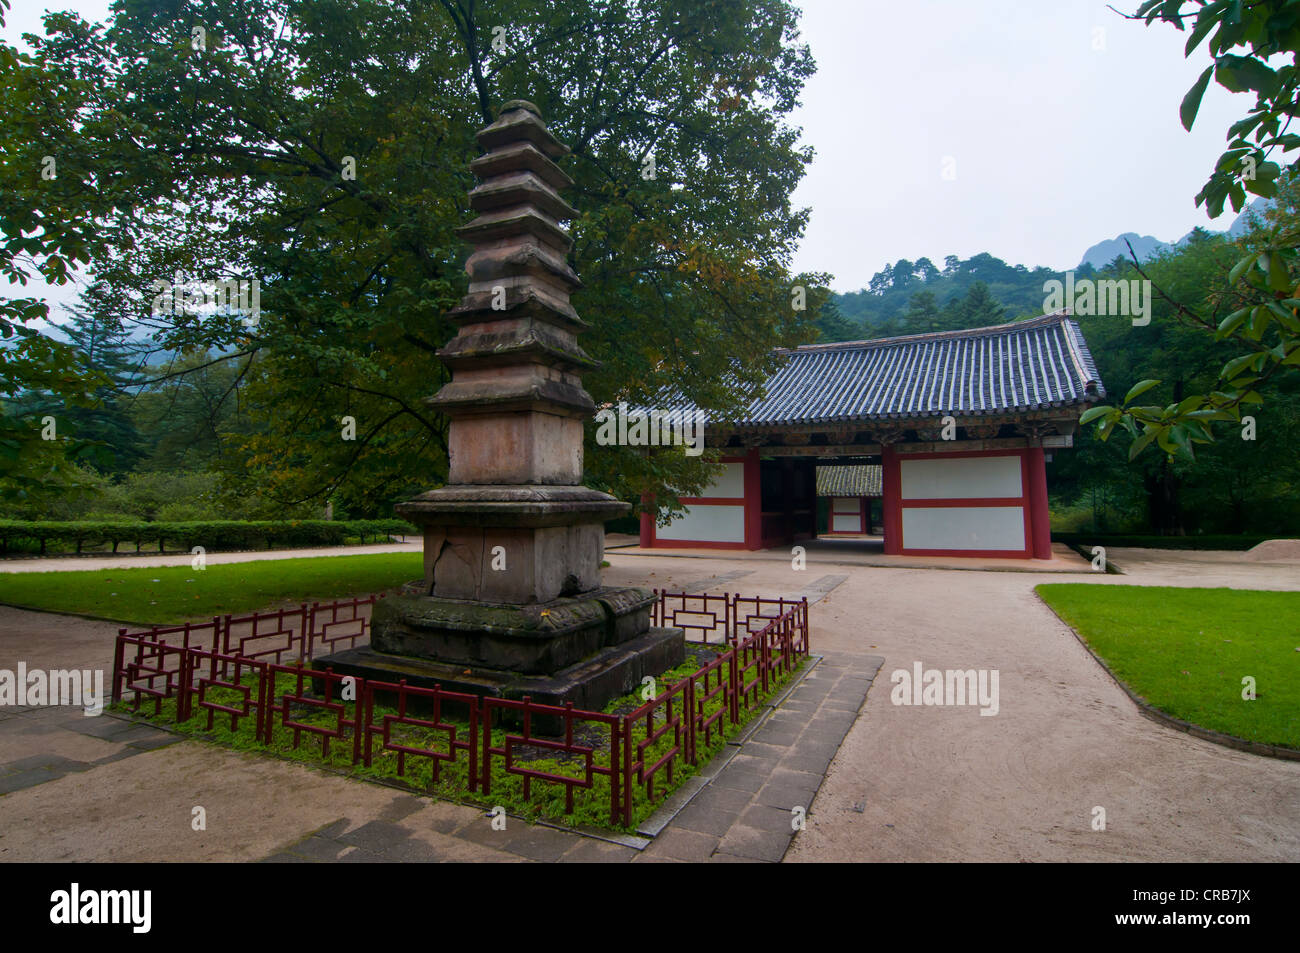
(961, 423)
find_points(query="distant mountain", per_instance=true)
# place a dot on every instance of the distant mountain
(1145, 246)
(1103, 253)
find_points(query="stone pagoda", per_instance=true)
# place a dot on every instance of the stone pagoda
(512, 603)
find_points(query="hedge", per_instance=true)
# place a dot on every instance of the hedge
(212, 535)
(1162, 542)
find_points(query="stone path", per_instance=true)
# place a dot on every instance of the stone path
(749, 800)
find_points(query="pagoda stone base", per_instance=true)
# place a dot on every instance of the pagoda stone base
(535, 639)
(585, 649)
(590, 684)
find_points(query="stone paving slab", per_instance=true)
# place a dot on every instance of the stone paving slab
(745, 813)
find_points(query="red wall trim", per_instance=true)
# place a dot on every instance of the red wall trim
(696, 544)
(973, 553)
(892, 510)
(1039, 511)
(753, 500)
(960, 501)
(647, 522)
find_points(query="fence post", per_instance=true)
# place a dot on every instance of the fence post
(486, 767)
(269, 676)
(688, 696)
(358, 713)
(733, 684)
(627, 770)
(117, 665)
(474, 729)
(183, 688)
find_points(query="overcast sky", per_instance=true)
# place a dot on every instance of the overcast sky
(1056, 144)
(1056, 120)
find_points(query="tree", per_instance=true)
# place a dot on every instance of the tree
(979, 309)
(833, 326)
(97, 334)
(36, 454)
(1258, 307)
(922, 313)
(324, 151)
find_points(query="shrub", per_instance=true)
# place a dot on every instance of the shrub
(212, 535)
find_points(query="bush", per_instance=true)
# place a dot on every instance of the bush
(188, 512)
(212, 535)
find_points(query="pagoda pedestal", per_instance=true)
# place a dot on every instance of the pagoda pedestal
(512, 603)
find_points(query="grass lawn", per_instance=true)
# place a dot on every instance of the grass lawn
(1186, 651)
(175, 594)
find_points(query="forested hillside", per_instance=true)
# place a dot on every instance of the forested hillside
(911, 297)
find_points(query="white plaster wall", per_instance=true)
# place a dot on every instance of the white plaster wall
(846, 524)
(731, 483)
(965, 527)
(957, 478)
(716, 524)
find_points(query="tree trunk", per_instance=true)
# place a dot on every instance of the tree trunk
(1164, 508)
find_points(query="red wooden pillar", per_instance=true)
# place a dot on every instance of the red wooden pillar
(753, 500)
(647, 523)
(892, 503)
(1040, 525)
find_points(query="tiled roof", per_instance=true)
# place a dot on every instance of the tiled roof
(1033, 365)
(862, 480)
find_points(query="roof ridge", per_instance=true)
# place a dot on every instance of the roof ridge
(1042, 320)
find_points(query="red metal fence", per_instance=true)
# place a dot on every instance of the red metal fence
(723, 617)
(200, 667)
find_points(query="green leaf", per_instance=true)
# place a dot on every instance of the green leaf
(1232, 322)
(1241, 267)
(1192, 101)
(1242, 73)
(1092, 413)
(1205, 22)
(1142, 442)
(1138, 389)
(1278, 279)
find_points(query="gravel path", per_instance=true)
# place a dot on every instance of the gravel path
(934, 783)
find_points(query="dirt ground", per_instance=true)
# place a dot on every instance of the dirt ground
(915, 783)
